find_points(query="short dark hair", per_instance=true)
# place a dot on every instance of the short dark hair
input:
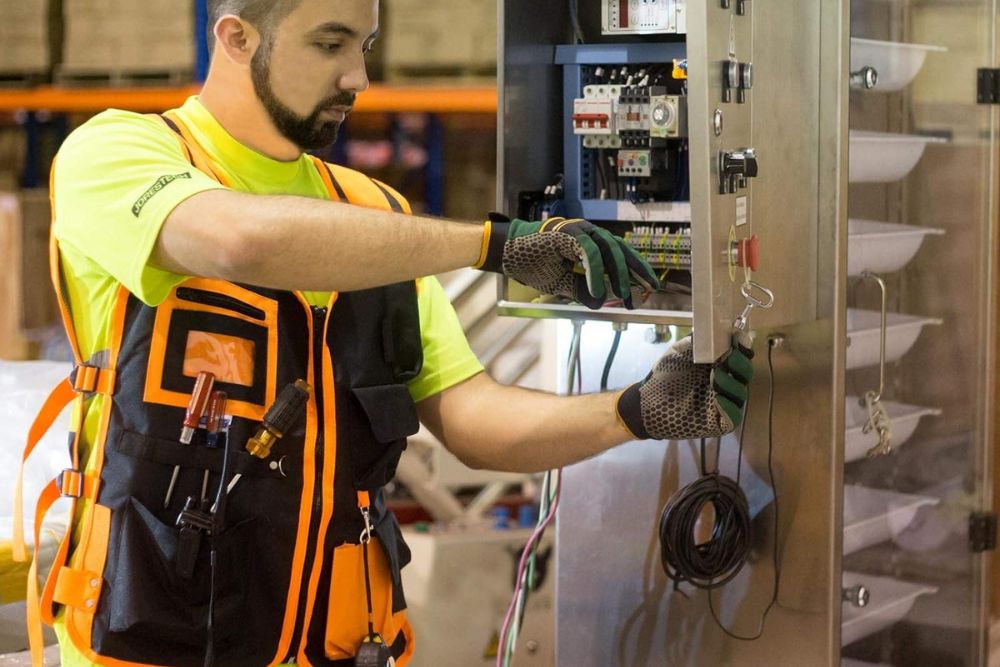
(264, 15)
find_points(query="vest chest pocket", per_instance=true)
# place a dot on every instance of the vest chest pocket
(220, 328)
(382, 417)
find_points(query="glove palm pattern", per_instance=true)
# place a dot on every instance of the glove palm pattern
(543, 255)
(682, 400)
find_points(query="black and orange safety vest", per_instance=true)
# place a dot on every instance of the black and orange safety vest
(290, 582)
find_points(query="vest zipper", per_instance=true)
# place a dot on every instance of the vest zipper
(319, 316)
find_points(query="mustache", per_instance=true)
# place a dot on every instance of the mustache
(341, 100)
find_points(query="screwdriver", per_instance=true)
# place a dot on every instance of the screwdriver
(196, 408)
(214, 426)
(279, 418)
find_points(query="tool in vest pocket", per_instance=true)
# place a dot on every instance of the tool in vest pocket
(215, 428)
(194, 521)
(196, 408)
(279, 418)
(373, 651)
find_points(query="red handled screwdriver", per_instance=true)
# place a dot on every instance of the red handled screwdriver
(196, 408)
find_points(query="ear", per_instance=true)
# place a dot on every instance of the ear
(237, 39)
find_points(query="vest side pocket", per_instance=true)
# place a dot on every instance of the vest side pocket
(391, 416)
(150, 604)
(347, 615)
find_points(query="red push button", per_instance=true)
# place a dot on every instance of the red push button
(748, 253)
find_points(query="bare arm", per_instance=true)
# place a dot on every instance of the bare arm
(492, 426)
(287, 242)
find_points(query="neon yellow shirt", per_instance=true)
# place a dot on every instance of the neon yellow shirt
(117, 179)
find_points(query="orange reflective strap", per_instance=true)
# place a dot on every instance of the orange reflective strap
(49, 496)
(364, 500)
(55, 271)
(199, 156)
(57, 401)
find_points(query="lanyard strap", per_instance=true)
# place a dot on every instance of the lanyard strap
(364, 504)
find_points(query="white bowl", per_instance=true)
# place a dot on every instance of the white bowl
(890, 601)
(905, 419)
(863, 333)
(883, 247)
(873, 516)
(896, 62)
(880, 157)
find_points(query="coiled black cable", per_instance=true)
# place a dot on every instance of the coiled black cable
(717, 561)
(714, 563)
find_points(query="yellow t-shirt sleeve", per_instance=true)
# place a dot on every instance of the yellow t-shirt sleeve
(117, 179)
(448, 359)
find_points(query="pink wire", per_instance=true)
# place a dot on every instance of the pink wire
(520, 573)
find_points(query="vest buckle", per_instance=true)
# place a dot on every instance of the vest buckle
(70, 483)
(84, 378)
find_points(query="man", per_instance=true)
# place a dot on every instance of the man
(207, 241)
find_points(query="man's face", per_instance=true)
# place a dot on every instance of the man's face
(308, 71)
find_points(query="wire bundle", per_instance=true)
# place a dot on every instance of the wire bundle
(526, 581)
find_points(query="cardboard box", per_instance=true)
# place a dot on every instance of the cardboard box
(439, 34)
(26, 292)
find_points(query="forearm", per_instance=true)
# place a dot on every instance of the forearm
(518, 430)
(287, 242)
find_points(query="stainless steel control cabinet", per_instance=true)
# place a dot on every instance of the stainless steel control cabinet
(806, 118)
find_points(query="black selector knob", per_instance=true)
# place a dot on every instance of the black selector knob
(735, 167)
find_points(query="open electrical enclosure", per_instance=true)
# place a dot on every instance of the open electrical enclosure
(690, 130)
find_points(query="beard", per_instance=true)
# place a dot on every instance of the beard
(309, 133)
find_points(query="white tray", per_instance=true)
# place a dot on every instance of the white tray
(905, 419)
(863, 333)
(882, 247)
(873, 516)
(897, 63)
(890, 601)
(879, 157)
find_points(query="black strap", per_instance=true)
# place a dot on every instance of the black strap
(336, 185)
(393, 202)
(368, 591)
(172, 125)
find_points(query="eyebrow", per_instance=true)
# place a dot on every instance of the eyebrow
(340, 29)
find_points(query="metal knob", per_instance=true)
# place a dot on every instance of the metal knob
(730, 79)
(858, 596)
(735, 167)
(865, 78)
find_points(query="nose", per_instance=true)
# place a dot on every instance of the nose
(355, 80)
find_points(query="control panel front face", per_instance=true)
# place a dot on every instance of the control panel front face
(657, 148)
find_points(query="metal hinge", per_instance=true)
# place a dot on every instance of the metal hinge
(982, 532)
(988, 85)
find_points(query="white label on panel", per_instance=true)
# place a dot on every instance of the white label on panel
(741, 211)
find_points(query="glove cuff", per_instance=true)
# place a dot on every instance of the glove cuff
(494, 239)
(629, 410)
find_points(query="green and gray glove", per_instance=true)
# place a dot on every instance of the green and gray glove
(543, 255)
(682, 400)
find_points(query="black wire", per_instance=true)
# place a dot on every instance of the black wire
(611, 360)
(575, 20)
(776, 560)
(717, 562)
(218, 519)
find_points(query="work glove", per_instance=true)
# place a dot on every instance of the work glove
(682, 400)
(543, 255)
